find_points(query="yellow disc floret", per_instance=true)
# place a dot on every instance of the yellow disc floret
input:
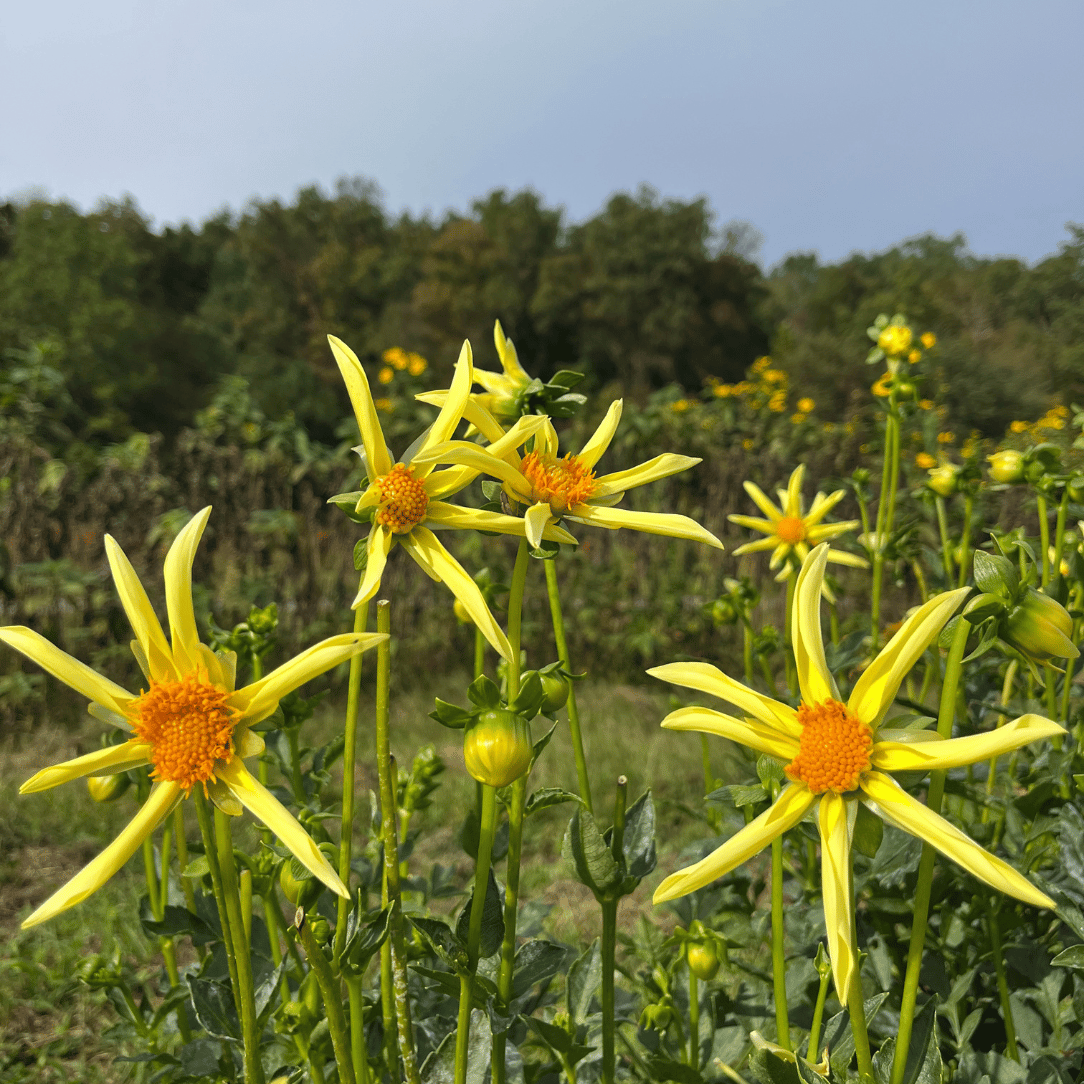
(833, 749)
(189, 727)
(560, 483)
(790, 529)
(403, 500)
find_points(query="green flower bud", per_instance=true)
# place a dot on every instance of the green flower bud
(497, 747)
(703, 960)
(656, 1017)
(1075, 486)
(301, 892)
(943, 480)
(107, 788)
(1006, 466)
(723, 612)
(1040, 628)
(554, 691)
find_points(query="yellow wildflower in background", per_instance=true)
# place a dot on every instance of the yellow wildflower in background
(774, 376)
(778, 402)
(680, 406)
(925, 461)
(722, 391)
(190, 725)
(914, 357)
(928, 340)
(416, 364)
(396, 357)
(748, 444)
(386, 406)
(806, 405)
(895, 340)
(1018, 427)
(554, 487)
(925, 404)
(882, 387)
(838, 754)
(760, 365)
(386, 375)
(405, 498)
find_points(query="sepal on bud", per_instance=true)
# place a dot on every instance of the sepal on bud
(1040, 628)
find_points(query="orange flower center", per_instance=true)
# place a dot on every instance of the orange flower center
(189, 727)
(403, 500)
(560, 483)
(790, 529)
(833, 750)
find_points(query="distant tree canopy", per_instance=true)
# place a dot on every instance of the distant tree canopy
(135, 330)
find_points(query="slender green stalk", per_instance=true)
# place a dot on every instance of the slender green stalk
(151, 878)
(573, 710)
(994, 927)
(747, 650)
(479, 652)
(350, 751)
(359, 1054)
(818, 1018)
(333, 1008)
(886, 505)
(1059, 533)
(779, 966)
(694, 1020)
(211, 851)
(609, 940)
(393, 963)
(857, 1012)
(965, 541)
(946, 714)
(1044, 536)
(182, 858)
(297, 784)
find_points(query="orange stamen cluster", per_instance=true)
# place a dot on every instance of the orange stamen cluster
(189, 728)
(790, 529)
(833, 749)
(403, 500)
(560, 483)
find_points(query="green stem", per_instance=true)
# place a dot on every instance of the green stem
(211, 851)
(747, 651)
(573, 710)
(333, 1008)
(818, 1017)
(857, 1012)
(609, 937)
(359, 1054)
(182, 858)
(965, 541)
(886, 506)
(694, 1020)
(297, 784)
(350, 750)
(923, 887)
(1002, 982)
(394, 973)
(779, 965)
(1059, 533)
(1044, 536)
(479, 652)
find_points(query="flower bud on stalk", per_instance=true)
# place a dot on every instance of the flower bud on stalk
(107, 788)
(943, 480)
(1040, 628)
(497, 747)
(703, 960)
(1007, 466)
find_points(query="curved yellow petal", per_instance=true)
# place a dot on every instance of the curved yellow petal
(377, 549)
(426, 549)
(755, 735)
(792, 506)
(108, 761)
(664, 523)
(662, 466)
(821, 506)
(759, 546)
(852, 560)
(762, 502)
(784, 813)
(465, 454)
(835, 830)
(60, 664)
(259, 801)
(177, 571)
(478, 519)
(897, 807)
(816, 683)
(377, 458)
(258, 700)
(764, 526)
(219, 793)
(451, 413)
(892, 756)
(159, 804)
(535, 520)
(875, 690)
(141, 615)
(473, 411)
(600, 440)
(824, 532)
(705, 678)
(506, 351)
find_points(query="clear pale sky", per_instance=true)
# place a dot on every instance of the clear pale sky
(834, 125)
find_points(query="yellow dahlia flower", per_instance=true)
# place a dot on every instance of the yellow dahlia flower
(789, 532)
(838, 754)
(406, 498)
(555, 488)
(190, 725)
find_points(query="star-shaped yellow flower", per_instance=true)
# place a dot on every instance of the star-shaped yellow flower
(789, 531)
(190, 724)
(555, 488)
(406, 497)
(837, 755)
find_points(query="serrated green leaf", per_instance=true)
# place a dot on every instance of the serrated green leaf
(590, 856)
(546, 797)
(492, 920)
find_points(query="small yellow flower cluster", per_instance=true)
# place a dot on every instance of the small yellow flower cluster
(398, 360)
(1053, 419)
(680, 406)
(925, 461)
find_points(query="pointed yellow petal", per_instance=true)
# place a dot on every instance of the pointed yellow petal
(219, 793)
(506, 351)
(664, 523)
(452, 412)
(762, 501)
(60, 664)
(159, 804)
(875, 690)
(474, 412)
(662, 466)
(821, 506)
(424, 547)
(141, 615)
(764, 526)
(759, 546)
(536, 520)
(899, 808)
(465, 454)
(378, 547)
(764, 739)
(378, 460)
(259, 801)
(852, 560)
(893, 756)
(177, 571)
(247, 743)
(835, 833)
(258, 700)
(478, 519)
(600, 440)
(445, 483)
(793, 504)
(705, 678)
(784, 813)
(108, 761)
(816, 683)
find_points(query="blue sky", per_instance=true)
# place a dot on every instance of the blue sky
(833, 126)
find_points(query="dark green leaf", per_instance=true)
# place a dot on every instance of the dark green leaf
(492, 920)
(584, 978)
(545, 797)
(442, 940)
(536, 961)
(176, 922)
(213, 1004)
(590, 856)
(638, 843)
(869, 830)
(439, 1067)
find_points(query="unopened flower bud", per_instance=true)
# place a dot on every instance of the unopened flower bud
(1040, 628)
(497, 747)
(943, 480)
(107, 788)
(1006, 466)
(462, 614)
(703, 960)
